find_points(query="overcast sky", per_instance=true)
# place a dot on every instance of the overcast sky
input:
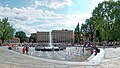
(31, 16)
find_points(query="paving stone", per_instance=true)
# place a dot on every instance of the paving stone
(11, 59)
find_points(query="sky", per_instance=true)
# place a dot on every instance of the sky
(31, 16)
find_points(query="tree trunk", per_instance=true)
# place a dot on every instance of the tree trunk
(2, 41)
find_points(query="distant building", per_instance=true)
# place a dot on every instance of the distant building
(58, 36)
(62, 36)
(42, 37)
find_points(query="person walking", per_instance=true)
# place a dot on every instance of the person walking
(27, 49)
(24, 48)
(104, 44)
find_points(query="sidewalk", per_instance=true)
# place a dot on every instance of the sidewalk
(25, 61)
(111, 58)
(98, 58)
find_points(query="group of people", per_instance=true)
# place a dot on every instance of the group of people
(12, 46)
(25, 48)
(110, 43)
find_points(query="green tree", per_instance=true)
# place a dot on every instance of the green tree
(32, 39)
(105, 18)
(84, 28)
(90, 28)
(105, 21)
(22, 36)
(6, 30)
(77, 34)
(84, 31)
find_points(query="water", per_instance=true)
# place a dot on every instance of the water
(70, 54)
(50, 39)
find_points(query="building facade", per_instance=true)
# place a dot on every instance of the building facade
(58, 36)
(62, 36)
(42, 37)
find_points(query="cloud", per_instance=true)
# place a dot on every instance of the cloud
(31, 20)
(20, 17)
(53, 4)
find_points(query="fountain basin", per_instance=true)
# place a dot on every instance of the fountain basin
(49, 48)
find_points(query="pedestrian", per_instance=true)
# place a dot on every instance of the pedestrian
(27, 49)
(104, 44)
(24, 48)
(10, 46)
(97, 50)
(114, 44)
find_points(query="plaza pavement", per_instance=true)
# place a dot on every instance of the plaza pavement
(107, 58)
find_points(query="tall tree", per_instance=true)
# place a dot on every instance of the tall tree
(77, 34)
(22, 36)
(84, 31)
(32, 38)
(6, 30)
(105, 16)
(105, 21)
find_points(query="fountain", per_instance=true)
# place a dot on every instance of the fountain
(50, 46)
(57, 51)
